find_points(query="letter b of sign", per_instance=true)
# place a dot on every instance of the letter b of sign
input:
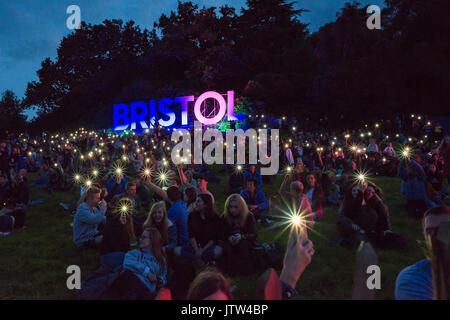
(374, 21)
(74, 280)
(74, 20)
(374, 281)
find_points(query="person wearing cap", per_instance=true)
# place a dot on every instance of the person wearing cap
(202, 186)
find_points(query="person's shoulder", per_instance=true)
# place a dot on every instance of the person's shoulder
(415, 282)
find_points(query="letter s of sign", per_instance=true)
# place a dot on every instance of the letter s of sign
(74, 20)
(374, 21)
(374, 281)
(74, 280)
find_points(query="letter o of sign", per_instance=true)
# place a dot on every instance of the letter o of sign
(217, 117)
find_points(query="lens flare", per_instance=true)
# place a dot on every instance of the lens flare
(164, 177)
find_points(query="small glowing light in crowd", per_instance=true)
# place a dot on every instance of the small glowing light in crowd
(429, 123)
(289, 169)
(55, 165)
(376, 125)
(95, 172)
(419, 118)
(124, 158)
(29, 153)
(88, 184)
(347, 136)
(146, 172)
(294, 128)
(362, 135)
(163, 177)
(384, 159)
(412, 116)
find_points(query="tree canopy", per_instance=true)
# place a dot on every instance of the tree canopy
(265, 53)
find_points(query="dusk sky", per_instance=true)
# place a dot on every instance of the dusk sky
(31, 30)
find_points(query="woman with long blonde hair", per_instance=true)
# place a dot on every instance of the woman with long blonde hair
(238, 231)
(157, 218)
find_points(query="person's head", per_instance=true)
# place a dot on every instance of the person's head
(151, 239)
(157, 215)
(433, 218)
(390, 144)
(202, 183)
(432, 168)
(204, 203)
(93, 196)
(189, 175)
(252, 168)
(436, 227)
(300, 164)
(310, 180)
(209, 285)
(235, 207)
(296, 188)
(131, 189)
(189, 195)
(252, 185)
(174, 194)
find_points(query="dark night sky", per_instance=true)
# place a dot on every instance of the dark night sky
(31, 30)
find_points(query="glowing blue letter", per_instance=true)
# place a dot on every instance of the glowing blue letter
(167, 112)
(121, 116)
(140, 116)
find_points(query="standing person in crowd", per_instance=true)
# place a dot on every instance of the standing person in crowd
(256, 201)
(88, 216)
(238, 230)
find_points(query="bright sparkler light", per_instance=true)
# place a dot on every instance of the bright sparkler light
(146, 172)
(118, 169)
(164, 177)
(361, 176)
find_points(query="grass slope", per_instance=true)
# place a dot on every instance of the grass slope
(34, 260)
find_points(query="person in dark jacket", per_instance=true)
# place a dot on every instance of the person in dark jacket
(364, 217)
(238, 230)
(203, 226)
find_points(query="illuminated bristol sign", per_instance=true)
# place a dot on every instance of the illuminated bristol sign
(145, 115)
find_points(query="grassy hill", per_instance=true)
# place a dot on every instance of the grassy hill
(34, 260)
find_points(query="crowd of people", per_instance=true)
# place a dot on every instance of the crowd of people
(156, 224)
